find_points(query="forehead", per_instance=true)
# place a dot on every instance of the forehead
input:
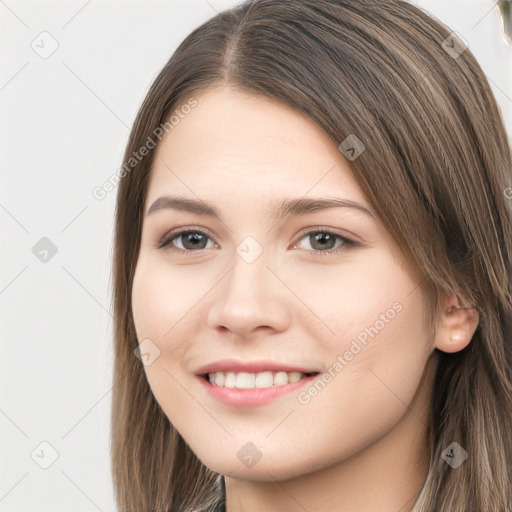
(249, 145)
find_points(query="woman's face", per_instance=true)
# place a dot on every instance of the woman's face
(259, 287)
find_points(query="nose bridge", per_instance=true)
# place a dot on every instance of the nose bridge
(249, 276)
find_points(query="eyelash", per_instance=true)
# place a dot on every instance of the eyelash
(166, 241)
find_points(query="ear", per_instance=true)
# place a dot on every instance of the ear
(455, 326)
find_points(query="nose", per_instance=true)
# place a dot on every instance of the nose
(250, 298)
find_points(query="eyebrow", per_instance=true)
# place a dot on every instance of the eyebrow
(287, 208)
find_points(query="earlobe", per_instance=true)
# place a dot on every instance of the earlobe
(456, 326)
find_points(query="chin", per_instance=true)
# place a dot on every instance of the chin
(266, 469)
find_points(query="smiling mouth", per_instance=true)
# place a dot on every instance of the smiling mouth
(259, 380)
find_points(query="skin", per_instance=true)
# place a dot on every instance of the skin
(360, 444)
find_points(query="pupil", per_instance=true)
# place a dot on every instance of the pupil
(194, 238)
(319, 237)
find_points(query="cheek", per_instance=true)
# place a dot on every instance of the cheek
(161, 309)
(385, 355)
(163, 298)
(370, 384)
(166, 305)
(387, 322)
(363, 293)
(376, 357)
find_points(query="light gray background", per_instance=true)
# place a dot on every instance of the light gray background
(65, 120)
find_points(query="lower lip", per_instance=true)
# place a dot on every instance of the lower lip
(252, 397)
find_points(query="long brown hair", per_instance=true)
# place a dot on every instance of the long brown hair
(436, 167)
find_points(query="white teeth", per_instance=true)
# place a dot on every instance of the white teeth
(262, 380)
(280, 379)
(219, 379)
(230, 380)
(295, 377)
(245, 380)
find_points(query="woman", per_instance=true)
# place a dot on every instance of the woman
(313, 267)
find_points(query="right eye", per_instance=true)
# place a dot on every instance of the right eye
(190, 239)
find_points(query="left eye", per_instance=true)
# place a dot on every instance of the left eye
(320, 240)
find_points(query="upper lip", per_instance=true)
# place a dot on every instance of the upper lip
(233, 365)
